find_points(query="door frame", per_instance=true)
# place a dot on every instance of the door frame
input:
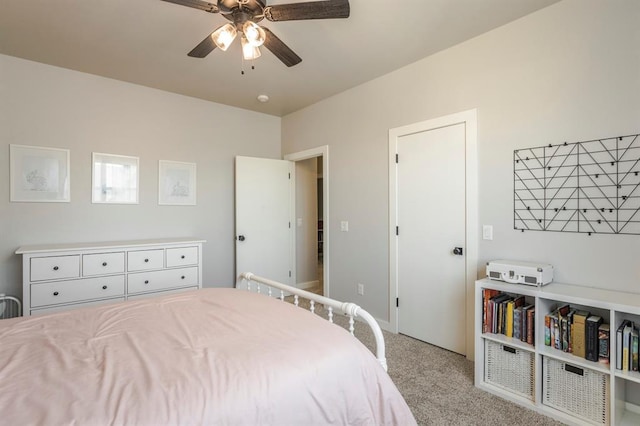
(469, 118)
(321, 151)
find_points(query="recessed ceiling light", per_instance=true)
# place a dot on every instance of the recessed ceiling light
(263, 98)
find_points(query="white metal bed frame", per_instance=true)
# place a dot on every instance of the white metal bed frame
(350, 309)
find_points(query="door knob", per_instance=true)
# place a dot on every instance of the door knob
(457, 251)
(241, 237)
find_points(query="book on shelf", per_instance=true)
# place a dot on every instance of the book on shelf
(633, 344)
(487, 294)
(517, 323)
(504, 312)
(620, 343)
(509, 318)
(518, 301)
(578, 332)
(570, 330)
(525, 322)
(496, 303)
(562, 342)
(626, 352)
(591, 338)
(603, 343)
(547, 329)
(565, 333)
(531, 326)
(555, 332)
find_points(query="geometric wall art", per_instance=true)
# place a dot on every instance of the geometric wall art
(590, 187)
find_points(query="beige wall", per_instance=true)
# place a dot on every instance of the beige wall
(569, 72)
(306, 222)
(52, 107)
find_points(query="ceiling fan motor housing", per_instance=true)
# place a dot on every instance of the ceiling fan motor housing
(255, 6)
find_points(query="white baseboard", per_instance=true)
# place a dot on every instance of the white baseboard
(308, 284)
(385, 325)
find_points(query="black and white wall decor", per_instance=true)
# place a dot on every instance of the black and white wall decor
(587, 187)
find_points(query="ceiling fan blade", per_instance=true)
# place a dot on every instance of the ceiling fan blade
(281, 50)
(205, 47)
(197, 4)
(328, 9)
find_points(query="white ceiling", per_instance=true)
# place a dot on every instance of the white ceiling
(146, 42)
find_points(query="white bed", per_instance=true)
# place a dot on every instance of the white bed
(211, 356)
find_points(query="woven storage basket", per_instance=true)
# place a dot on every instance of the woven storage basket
(509, 368)
(581, 392)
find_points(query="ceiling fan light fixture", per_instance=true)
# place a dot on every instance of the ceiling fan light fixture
(249, 52)
(254, 33)
(224, 36)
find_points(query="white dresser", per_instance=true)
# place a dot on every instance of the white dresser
(59, 277)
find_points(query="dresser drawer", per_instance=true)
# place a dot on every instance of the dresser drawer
(160, 293)
(76, 290)
(145, 260)
(54, 267)
(60, 308)
(182, 256)
(102, 264)
(161, 280)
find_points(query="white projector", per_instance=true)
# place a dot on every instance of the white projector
(515, 272)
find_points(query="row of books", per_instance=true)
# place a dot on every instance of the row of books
(578, 332)
(627, 346)
(509, 315)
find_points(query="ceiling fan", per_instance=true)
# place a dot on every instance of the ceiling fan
(243, 17)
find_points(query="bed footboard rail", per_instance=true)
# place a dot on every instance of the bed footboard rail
(350, 309)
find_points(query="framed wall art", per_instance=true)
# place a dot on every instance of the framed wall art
(176, 183)
(39, 174)
(115, 179)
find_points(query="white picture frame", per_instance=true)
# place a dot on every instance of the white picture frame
(114, 179)
(39, 175)
(176, 183)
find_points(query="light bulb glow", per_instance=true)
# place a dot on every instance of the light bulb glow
(224, 36)
(254, 33)
(249, 52)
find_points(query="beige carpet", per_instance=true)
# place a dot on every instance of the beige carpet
(438, 384)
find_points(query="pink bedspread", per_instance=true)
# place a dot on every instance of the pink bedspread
(213, 356)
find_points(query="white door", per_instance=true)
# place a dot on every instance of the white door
(263, 218)
(431, 225)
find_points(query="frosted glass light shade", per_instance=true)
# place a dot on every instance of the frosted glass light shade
(254, 33)
(224, 36)
(249, 52)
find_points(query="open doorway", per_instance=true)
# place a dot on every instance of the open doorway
(309, 225)
(311, 220)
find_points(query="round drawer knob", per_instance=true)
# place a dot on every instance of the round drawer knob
(104, 263)
(104, 287)
(55, 293)
(182, 277)
(146, 281)
(55, 268)
(182, 257)
(146, 261)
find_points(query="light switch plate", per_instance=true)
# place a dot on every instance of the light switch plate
(344, 226)
(487, 232)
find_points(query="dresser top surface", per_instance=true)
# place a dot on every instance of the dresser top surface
(46, 248)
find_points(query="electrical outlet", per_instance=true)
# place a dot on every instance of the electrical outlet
(361, 289)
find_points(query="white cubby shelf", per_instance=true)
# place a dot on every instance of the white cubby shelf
(583, 383)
